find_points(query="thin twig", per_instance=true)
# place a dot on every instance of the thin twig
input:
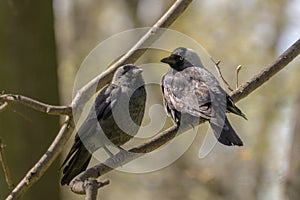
(5, 167)
(3, 106)
(220, 74)
(36, 172)
(36, 105)
(124, 157)
(238, 69)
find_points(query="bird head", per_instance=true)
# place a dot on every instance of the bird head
(182, 58)
(127, 75)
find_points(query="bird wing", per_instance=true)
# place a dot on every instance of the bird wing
(210, 94)
(86, 138)
(89, 130)
(186, 92)
(166, 92)
(106, 100)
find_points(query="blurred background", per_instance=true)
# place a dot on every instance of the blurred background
(43, 44)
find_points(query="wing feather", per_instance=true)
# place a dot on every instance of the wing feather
(187, 92)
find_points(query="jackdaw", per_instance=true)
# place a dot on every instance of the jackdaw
(191, 93)
(114, 119)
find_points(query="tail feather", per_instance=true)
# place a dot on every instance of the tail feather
(227, 134)
(78, 163)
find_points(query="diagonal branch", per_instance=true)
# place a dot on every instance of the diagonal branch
(257, 80)
(124, 157)
(3, 106)
(245, 89)
(37, 171)
(5, 167)
(34, 104)
(85, 93)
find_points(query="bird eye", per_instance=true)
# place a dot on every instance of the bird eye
(180, 58)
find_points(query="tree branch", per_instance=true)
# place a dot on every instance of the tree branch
(90, 188)
(34, 104)
(3, 106)
(5, 167)
(37, 171)
(124, 157)
(257, 80)
(85, 93)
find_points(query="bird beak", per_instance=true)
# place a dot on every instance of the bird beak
(168, 60)
(137, 71)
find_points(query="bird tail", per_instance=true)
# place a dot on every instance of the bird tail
(79, 158)
(228, 135)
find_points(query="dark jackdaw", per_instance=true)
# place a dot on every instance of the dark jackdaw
(114, 119)
(192, 93)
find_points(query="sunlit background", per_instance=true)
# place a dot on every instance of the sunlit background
(249, 33)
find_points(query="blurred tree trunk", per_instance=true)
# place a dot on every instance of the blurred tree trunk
(293, 180)
(28, 66)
